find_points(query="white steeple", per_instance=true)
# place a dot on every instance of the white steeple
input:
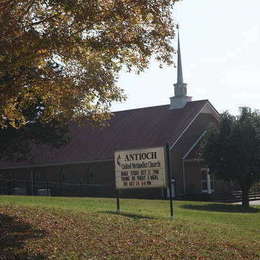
(180, 97)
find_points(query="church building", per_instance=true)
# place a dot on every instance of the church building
(85, 166)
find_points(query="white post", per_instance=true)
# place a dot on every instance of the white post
(208, 183)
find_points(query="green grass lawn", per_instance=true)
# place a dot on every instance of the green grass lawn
(89, 228)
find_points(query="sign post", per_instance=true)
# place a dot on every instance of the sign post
(139, 169)
(169, 177)
(117, 202)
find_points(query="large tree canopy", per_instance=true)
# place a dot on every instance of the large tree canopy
(232, 150)
(17, 143)
(65, 55)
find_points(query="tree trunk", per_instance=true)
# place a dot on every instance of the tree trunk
(245, 198)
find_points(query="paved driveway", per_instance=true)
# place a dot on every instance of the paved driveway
(252, 202)
(255, 202)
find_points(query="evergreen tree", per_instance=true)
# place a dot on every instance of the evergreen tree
(232, 151)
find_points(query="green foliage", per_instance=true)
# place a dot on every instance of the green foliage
(232, 151)
(17, 143)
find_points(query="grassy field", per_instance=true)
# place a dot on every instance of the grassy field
(89, 228)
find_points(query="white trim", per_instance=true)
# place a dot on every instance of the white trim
(193, 160)
(187, 127)
(215, 110)
(205, 181)
(209, 184)
(194, 145)
(208, 181)
(52, 164)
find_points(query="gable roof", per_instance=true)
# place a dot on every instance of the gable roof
(130, 129)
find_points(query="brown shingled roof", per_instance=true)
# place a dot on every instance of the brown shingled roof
(137, 128)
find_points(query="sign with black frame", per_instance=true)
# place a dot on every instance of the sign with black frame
(142, 168)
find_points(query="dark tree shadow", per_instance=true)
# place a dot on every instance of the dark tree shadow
(221, 208)
(129, 215)
(13, 235)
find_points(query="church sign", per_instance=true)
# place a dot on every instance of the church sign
(142, 168)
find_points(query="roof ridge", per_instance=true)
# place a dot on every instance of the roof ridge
(184, 129)
(139, 108)
(150, 107)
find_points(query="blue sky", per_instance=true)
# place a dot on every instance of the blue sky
(220, 42)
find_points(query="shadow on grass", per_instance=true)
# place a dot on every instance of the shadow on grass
(13, 236)
(129, 215)
(221, 208)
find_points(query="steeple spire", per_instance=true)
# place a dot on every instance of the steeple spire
(179, 68)
(180, 88)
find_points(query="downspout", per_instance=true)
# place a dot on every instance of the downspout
(172, 172)
(32, 182)
(183, 176)
(185, 156)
